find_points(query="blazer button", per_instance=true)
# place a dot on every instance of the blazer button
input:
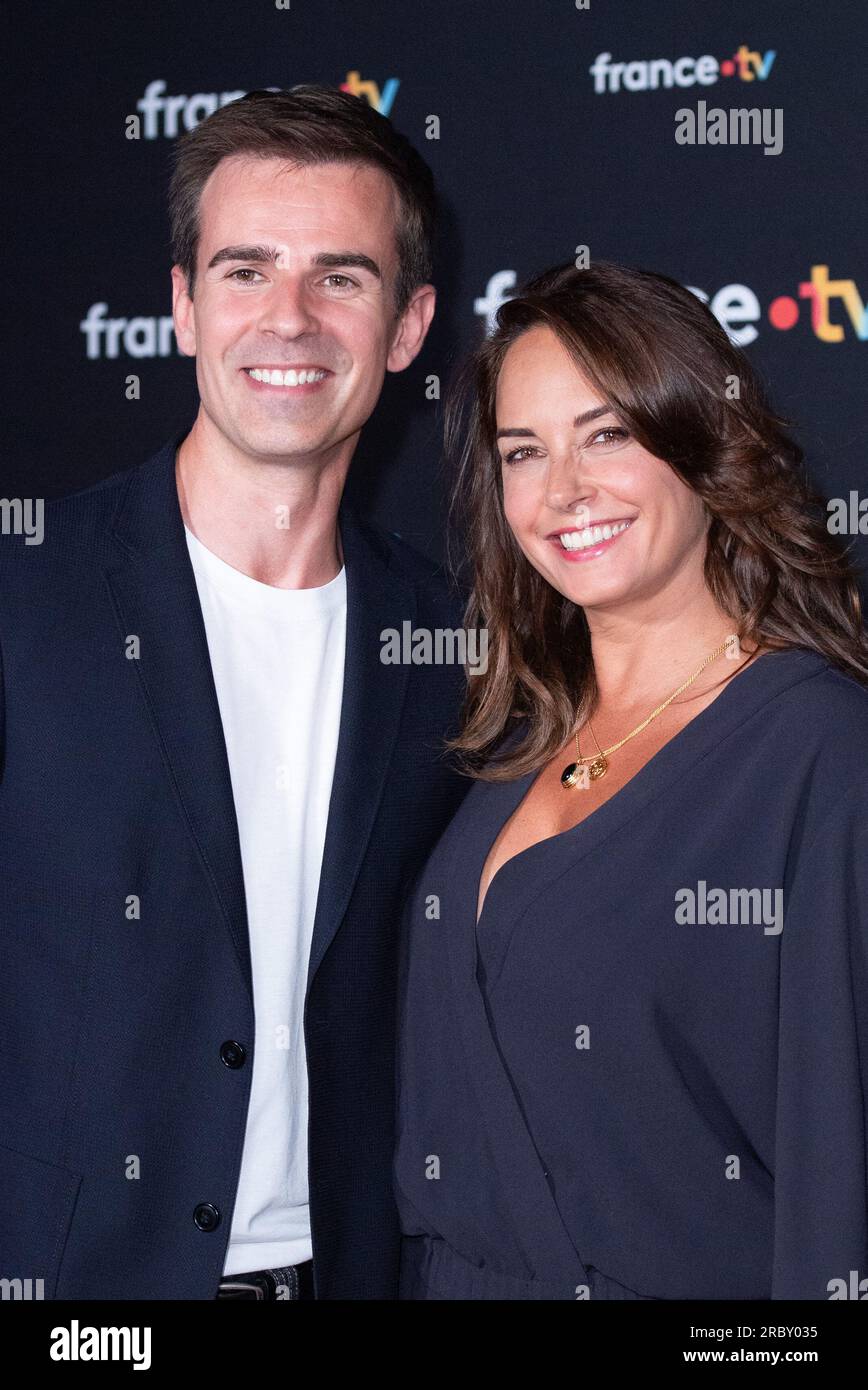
(232, 1054)
(206, 1216)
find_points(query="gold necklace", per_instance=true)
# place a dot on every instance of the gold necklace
(599, 761)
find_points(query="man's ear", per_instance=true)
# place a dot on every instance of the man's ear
(183, 313)
(412, 328)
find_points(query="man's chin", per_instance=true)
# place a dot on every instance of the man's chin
(277, 445)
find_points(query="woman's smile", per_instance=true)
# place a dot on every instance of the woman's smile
(589, 542)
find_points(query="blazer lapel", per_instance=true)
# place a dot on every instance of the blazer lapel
(373, 698)
(154, 592)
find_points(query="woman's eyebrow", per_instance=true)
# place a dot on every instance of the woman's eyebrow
(583, 419)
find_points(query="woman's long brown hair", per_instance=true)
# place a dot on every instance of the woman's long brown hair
(665, 366)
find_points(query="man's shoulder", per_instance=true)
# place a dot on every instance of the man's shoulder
(431, 578)
(75, 528)
(77, 531)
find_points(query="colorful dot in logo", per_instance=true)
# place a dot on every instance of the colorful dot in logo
(727, 67)
(783, 312)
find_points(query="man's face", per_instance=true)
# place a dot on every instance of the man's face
(296, 270)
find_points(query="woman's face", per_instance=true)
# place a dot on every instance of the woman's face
(568, 466)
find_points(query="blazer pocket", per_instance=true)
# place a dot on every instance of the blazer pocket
(37, 1201)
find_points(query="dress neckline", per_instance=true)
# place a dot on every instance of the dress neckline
(696, 727)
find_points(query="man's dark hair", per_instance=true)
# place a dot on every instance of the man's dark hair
(307, 124)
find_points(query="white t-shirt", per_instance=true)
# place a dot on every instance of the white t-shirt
(278, 661)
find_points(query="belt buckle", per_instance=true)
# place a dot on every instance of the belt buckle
(257, 1289)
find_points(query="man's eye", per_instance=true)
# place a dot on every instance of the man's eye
(241, 272)
(337, 275)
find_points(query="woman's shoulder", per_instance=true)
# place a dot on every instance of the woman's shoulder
(803, 702)
(832, 700)
(818, 728)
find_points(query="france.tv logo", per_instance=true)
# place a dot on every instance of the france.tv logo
(651, 73)
(381, 101)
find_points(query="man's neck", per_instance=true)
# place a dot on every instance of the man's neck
(276, 522)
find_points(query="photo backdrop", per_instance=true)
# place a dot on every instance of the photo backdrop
(554, 127)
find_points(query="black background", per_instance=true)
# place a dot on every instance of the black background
(530, 163)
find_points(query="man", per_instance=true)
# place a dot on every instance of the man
(214, 791)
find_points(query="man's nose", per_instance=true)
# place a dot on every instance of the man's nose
(289, 310)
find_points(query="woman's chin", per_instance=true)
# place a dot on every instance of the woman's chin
(588, 590)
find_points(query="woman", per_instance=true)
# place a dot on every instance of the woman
(634, 1001)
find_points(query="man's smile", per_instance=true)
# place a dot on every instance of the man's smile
(267, 378)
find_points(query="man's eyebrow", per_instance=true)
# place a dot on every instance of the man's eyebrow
(333, 259)
(262, 254)
(582, 419)
(267, 255)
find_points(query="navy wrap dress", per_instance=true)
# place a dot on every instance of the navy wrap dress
(644, 1074)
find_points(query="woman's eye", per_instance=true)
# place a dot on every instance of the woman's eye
(614, 432)
(513, 455)
(611, 435)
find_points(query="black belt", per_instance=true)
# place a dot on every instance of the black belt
(287, 1282)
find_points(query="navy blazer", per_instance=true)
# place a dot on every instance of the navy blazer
(123, 1109)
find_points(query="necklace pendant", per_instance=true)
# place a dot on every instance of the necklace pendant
(570, 776)
(598, 768)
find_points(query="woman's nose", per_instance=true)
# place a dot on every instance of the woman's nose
(567, 489)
